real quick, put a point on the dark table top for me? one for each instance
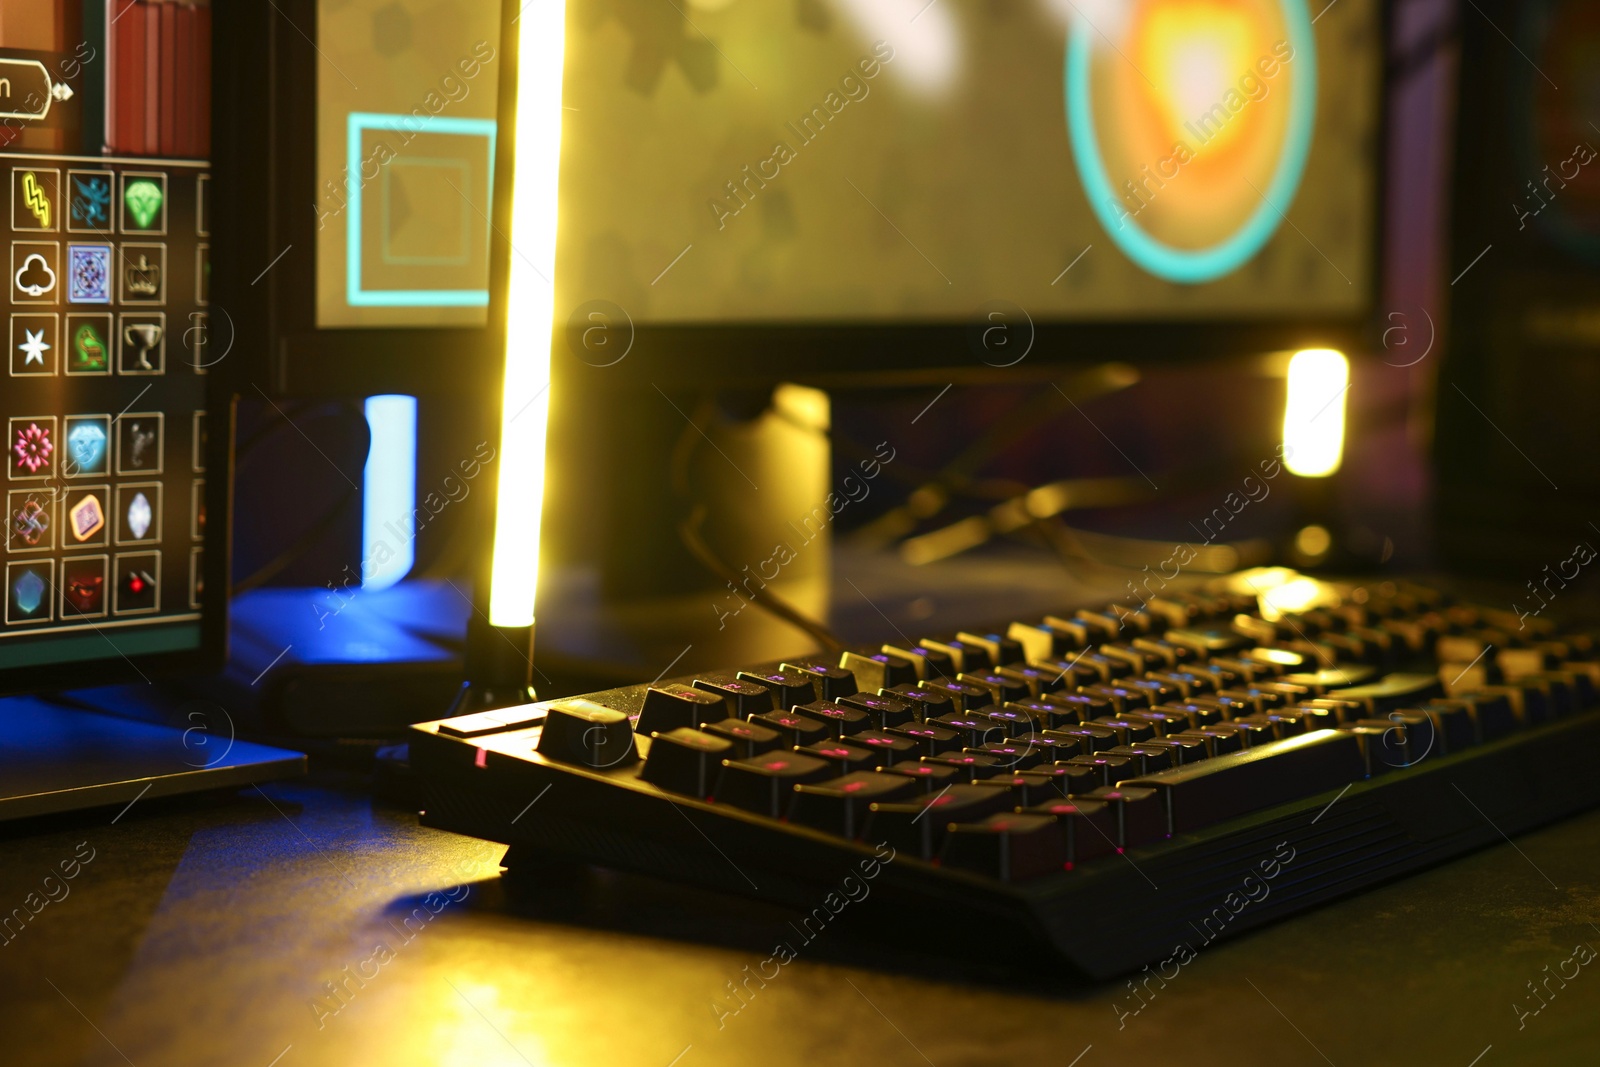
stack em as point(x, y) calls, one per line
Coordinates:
point(270, 927)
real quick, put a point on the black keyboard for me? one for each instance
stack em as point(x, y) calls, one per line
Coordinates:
point(1112, 785)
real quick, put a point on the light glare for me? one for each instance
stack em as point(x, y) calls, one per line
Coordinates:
point(530, 306)
point(1313, 416)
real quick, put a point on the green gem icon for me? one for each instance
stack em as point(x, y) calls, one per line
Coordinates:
point(143, 199)
point(90, 348)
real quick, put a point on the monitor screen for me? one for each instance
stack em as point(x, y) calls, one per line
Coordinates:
point(880, 161)
point(405, 140)
point(104, 139)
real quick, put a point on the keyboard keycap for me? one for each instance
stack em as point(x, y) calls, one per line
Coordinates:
point(878, 671)
point(686, 761)
point(844, 755)
point(1045, 715)
point(1492, 714)
point(492, 722)
point(841, 721)
point(965, 697)
point(973, 730)
point(748, 739)
point(998, 647)
point(1140, 816)
point(1001, 687)
point(971, 765)
point(885, 709)
point(839, 805)
point(1009, 847)
point(764, 784)
point(1143, 758)
point(1092, 736)
point(918, 826)
point(927, 703)
point(1393, 692)
point(744, 698)
point(1088, 828)
point(1129, 731)
point(1108, 769)
point(789, 687)
point(582, 731)
point(890, 748)
point(931, 738)
point(832, 682)
point(1181, 750)
point(669, 707)
point(792, 729)
point(1025, 787)
point(929, 777)
point(1013, 755)
point(1213, 790)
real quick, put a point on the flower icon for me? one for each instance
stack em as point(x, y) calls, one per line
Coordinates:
point(33, 448)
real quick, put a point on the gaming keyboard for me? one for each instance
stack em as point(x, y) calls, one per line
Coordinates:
point(1113, 784)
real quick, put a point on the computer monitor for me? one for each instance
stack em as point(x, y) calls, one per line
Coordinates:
point(118, 426)
point(1517, 399)
point(359, 160)
point(896, 192)
point(114, 458)
point(863, 188)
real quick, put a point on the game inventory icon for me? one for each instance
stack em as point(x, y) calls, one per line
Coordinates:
point(140, 443)
point(144, 344)
point(83, 586)
point(138, 583)
point(33, 271)
point(143, 272)
point(33, 345)
point(89, 336)
point(32, 447)
point(88, 445)
point(138, 513)
point(33, 199)
point(27, 591)
point(87, 518)
point(90, 193)
point(30, 522)
point(89, 274)
point(143, 199)
point(139, 516)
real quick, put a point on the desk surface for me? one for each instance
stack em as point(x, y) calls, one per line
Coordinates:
point(207, 931)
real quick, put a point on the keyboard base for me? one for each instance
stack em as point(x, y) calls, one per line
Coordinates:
point(1155, 905)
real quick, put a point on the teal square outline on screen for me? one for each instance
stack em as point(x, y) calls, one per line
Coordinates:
point(355, 296)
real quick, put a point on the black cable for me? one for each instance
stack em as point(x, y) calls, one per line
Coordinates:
point(689, 536)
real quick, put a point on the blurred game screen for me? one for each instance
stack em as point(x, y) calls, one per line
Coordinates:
point(405, 134)
point(891, 160)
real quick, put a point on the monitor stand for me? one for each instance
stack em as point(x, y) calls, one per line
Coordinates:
point(56, 757)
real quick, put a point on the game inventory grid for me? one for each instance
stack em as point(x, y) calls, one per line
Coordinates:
point(103, 405)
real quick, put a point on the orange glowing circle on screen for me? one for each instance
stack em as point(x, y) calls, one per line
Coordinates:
point(1190, 121)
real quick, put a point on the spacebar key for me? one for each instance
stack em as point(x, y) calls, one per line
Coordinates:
point(1212, 790)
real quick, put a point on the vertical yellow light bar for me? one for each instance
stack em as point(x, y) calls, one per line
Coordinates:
point(530, 306)
point(1313, 414)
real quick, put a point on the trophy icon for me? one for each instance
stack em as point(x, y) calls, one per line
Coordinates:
point(143, 337)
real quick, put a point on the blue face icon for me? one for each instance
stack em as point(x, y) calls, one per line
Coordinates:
point(86, 442)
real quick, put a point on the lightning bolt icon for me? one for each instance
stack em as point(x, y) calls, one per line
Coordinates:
point(35, 198)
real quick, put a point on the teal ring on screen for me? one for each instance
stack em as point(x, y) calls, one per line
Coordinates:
point(1195, 266)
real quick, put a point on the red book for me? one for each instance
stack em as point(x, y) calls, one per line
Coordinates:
point(167, 95)
point(183, 64)
point(128, 85)
point(202, 74)
point(151, 101)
